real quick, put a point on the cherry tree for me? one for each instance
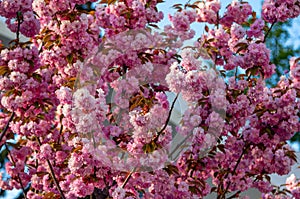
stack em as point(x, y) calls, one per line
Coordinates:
point(87, 114)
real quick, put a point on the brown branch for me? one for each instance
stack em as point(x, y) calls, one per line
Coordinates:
point(236, 72)
point(61, 129)
point(53, 175)
point(234, 195)
point(128, 178)
point(179, 144)
point(19, 14)
point(6, 126)
point(234, 170)
point(168, 119)
point(269, 30)
point(18, 175)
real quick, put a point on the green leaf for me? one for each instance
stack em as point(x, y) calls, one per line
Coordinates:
point(171, 169)
point(153, 25)
point(150, 147)
point(3, 155)
point(111, 1)
point(254, 15)
point(70, 58)
point(221, 147)
point(4, 70)
point(177, 5)
point(14, 145)
point(41, 173)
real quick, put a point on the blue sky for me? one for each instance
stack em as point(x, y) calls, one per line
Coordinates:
point(166, 7)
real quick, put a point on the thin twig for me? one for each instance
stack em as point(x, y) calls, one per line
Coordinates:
point(7, 125)
point(14, 164)
point(128, 178)
point(218, 20)
point(61, 129)
point(188, 2)
point(269, 30)
point(179, 144)
point(234, 195)
point(18, 27)
point(236, 72)
point(168, 119)
point(53, 175)
point(234, 170)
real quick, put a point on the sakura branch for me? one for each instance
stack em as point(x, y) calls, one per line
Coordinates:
point(128, 178)
point(223, 195)
point(53, 175)
point(268, 32)
point(7, 126)
point(168, 118)
point(117, 122)
point(19, 21)
point(19, 180)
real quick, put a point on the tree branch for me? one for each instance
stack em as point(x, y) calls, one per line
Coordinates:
point(180, 144)
point(234, 195)
point(6, 126)
point(269, 30)
point(128, 178)
point(19, 14)
point(234, 170)
point(14, 164)
point(168, 119)
point(53, 174)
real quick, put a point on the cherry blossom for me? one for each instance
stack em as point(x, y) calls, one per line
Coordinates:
point(86, 105)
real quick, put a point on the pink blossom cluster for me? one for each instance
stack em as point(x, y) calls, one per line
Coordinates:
point(91, 114)
point(19, 15)
point(273, 11)
point(295, 69)
point(292, 185)
point(237, 12)
point(15, 168)
point(9, 8)
point(125, 15)
point(47, 9)
point(240, 47)
point(26, 85)
point(259, 55)
point(256, 29)
point(208, 11)
point(181, 21)
point(29, 27)
point(294, 72)
point(66, 52)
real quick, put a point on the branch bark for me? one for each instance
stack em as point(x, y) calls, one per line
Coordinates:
point(128, 178)
point(14, 164)
point(222, 196)
point(53, 175)
point(168, 119)
point(6, 126)
point(269, 30)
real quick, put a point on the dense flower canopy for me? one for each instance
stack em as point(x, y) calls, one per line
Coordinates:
point(89, 114)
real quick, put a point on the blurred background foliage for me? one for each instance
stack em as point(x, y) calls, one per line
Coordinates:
point(282, 47)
